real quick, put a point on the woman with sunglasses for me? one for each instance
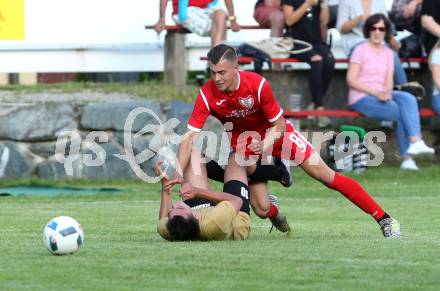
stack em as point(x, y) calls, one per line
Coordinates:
point(370, 81)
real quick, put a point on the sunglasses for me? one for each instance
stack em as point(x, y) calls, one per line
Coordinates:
point(380, 28)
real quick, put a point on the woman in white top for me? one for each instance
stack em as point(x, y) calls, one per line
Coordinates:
point(351, 18)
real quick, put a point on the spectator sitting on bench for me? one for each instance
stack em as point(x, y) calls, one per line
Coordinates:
point(203, 17)
point(370, 81)
point(434, 64)
point(351, 18)
point(307, 20)
point(268, 14)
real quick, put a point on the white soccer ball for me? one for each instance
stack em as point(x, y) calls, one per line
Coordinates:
point(63, 235)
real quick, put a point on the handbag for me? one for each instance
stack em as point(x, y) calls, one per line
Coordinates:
point(412, 47)
point(258, 55)
point(275, 47)
point(281, 47)
point(414, 88)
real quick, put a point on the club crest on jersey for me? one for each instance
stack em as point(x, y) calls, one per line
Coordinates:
point(246, 102)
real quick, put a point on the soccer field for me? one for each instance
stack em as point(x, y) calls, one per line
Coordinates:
point(334, 246)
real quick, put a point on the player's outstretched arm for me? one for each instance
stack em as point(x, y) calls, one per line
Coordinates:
point(273, 134)
point(188, 191)
point(277, 131)
point(165, 202)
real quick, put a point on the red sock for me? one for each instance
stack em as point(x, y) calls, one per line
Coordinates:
point(356, 194)
point(273, 211)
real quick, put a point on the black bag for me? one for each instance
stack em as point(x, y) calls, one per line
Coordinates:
point(412, 47)
point(414, 88)
point(274, 47)
point(259, 56)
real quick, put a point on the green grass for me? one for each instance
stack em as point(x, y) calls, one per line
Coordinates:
point(150, 89)
point(334, 246)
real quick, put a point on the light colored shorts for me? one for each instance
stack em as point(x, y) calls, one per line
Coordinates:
point(199, 20)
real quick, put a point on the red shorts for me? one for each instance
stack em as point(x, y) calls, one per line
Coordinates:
point(293, 146)
point(262, 14)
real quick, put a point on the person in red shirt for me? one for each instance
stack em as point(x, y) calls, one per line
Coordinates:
point(203, 17)
point(244, 103)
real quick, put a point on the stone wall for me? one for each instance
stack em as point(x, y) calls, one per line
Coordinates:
point(66, 140)
point(93, 141)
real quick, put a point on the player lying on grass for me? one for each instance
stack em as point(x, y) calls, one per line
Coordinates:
point(263, 204)
point(278, 171)
point(228, 219)
point(245, 101)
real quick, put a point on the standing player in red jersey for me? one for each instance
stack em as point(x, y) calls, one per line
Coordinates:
point(244, 103)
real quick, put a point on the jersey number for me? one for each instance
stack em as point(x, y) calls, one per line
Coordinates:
point(244, 193)
point(299, 141)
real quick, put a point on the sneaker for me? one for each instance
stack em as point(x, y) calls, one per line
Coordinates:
point(324, 121)
point(311, 106)
point(280, 221)
point(390, 227)
point(386, 124)
point(284, 167)
point(420, 148)
point(409, 164)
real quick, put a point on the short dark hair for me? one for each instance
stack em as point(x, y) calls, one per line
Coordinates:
point(374, 19)
point(222, 51)
point(182, 229)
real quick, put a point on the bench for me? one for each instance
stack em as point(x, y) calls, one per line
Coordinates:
point(424, 112)
point(249, 60)
point(175, 54)
point(181, 29)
